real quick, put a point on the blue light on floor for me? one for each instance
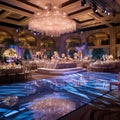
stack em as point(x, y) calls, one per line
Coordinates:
point(52, 98)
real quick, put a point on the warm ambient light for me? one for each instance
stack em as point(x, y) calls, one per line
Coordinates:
point(52, 22)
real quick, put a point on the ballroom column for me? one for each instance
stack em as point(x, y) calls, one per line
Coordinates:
point(113, 42)
point(38, 38)
point(62, 44)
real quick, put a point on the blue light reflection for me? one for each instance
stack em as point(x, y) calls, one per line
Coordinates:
point(58, 94)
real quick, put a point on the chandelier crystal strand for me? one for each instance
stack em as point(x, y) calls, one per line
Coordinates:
point(52, 22)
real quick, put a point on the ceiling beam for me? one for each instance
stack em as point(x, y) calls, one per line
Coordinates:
point(20, 4)
point(118, 1)
point(74, 7)
point(100, 19)
point(14, 10)
point(10, 21)
point(24, 22)
point(81, 13)
point(5, 14)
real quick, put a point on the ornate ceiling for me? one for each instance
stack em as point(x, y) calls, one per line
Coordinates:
point(17, 13)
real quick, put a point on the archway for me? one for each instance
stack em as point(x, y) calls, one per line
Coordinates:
point(118, 46)
point(4, 35)
point(118, 38)
point(98, 39)
point(71, 43)
point(5, 40)
point(26, 41)
point(49, 45)
point(98, 44)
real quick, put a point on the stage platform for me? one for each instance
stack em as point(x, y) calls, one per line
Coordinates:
point(60, 71)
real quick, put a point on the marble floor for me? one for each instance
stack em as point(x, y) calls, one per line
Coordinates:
point(80, 96)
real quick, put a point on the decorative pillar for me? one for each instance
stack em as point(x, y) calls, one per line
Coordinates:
point(38, 40)
point(83, 38)
point(113, 42)
point(62, 44)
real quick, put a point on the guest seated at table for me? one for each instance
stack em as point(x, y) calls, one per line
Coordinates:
point(107, 57)
point(52, 59)
point(69, 58)
point(63, 57)
point(56, 55)
point(75, 56)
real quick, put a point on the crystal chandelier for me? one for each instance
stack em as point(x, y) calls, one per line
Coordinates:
point(51, 22)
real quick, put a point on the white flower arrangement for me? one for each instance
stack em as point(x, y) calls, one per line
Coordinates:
point(10, 53)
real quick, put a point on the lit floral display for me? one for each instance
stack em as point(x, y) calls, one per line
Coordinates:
point(10, 53)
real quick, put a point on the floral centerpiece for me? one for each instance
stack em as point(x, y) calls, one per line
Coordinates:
point(11, 53)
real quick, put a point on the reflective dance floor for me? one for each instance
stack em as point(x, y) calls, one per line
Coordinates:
point(52, 98)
